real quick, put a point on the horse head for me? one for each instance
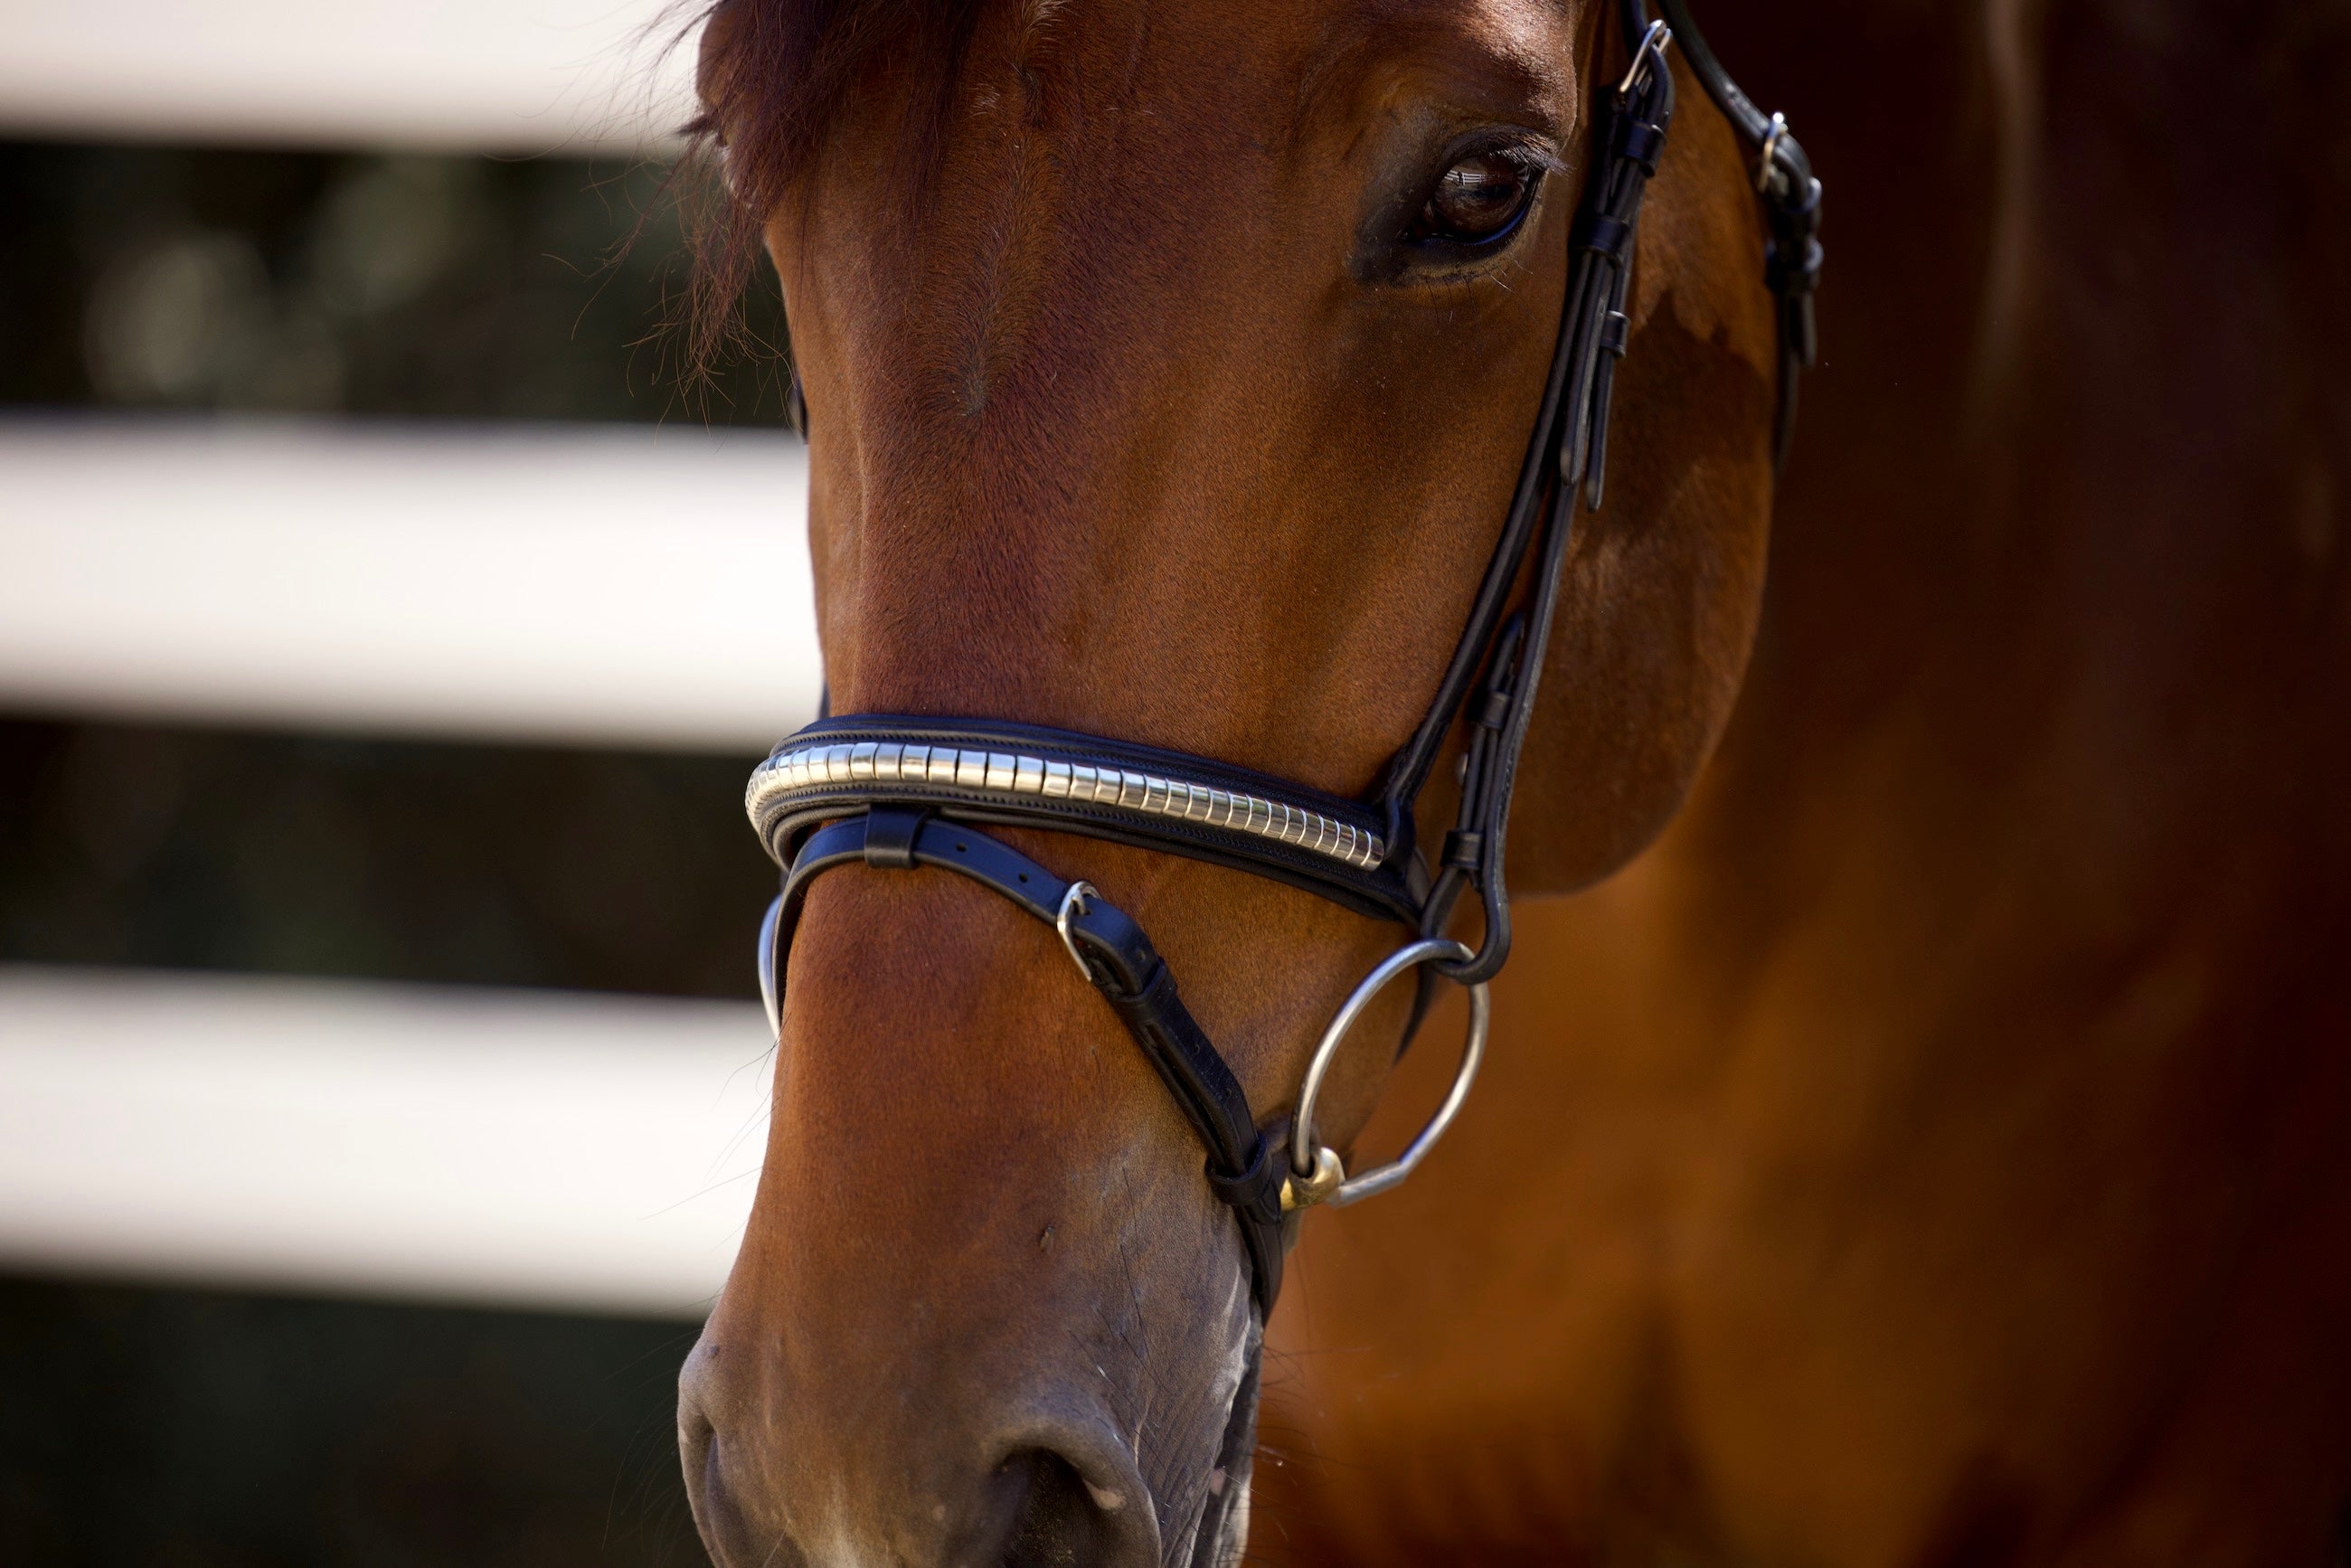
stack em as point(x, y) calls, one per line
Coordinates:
point(1169, 370)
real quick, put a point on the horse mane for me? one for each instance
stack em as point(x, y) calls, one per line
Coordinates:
point(771, 75)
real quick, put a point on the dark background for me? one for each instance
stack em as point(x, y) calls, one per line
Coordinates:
point(465, 287)
point(191, 1429)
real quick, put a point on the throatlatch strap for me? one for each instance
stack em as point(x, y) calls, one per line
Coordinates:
point(1122, 965)
point(1791, 210)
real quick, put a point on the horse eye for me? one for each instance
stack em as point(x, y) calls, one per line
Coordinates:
point(1479, 199)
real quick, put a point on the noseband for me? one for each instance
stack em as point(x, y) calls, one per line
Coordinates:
point(898, 793)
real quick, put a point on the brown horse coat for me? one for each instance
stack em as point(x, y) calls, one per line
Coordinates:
point(1938, 1149)
point(1932, 1151)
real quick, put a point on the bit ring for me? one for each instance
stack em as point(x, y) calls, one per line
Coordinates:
point(1311, 1173)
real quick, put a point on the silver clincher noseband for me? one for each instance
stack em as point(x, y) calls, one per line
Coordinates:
point(900, 793)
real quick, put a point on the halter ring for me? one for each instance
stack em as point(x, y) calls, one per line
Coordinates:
point(1316, 1173)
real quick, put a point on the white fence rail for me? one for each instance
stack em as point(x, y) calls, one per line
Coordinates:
point(599, 584)
point(607, 584)
point(501, 1148)
point(503, 75)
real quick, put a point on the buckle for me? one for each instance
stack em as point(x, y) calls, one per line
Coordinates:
point(1651, 52)
point(1073, 902)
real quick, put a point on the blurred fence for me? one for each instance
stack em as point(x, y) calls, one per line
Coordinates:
point(506, 75)
point(616, 584)
point(192, 538)
point(391, 1141)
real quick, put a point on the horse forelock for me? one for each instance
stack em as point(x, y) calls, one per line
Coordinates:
point(774, 76)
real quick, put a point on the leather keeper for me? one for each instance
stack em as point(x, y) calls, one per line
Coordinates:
point(890, 838)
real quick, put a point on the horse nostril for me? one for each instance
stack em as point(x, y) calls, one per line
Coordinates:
point(1062, 1521)
point(726, 1536)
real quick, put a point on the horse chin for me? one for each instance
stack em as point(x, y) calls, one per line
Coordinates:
point(1222, 1535)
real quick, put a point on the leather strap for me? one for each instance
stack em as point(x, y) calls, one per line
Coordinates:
point(1568, 446)
point(1568, 461)
point(1242, 1169)
point(784, 804)
point(1791, 210)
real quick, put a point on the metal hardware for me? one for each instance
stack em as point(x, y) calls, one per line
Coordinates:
point(768, 977)
point(1074, 898)
point(1764, 169)
point(1305, 1192)
point(1306, 1155)
point(1653, 48)
point(794, 775)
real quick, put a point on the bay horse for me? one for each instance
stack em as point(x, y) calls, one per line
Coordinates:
point(1936, 1149)
point(1927, 1153)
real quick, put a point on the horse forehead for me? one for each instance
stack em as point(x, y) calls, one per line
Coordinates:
point(1122, 85)
point(1094, 157)
point(1190, 69)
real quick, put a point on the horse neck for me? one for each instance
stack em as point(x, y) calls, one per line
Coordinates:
point(2059, 557)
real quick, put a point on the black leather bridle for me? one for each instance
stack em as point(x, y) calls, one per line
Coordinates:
point(897, 793)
